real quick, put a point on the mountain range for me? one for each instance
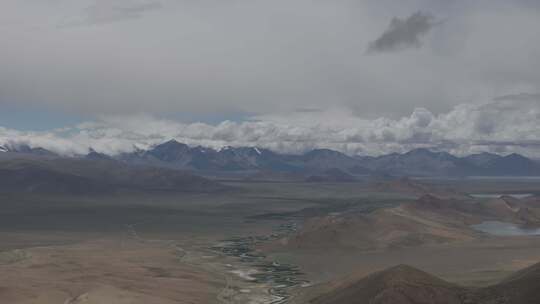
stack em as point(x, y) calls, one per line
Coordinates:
point(94, 176)
point(317, 163)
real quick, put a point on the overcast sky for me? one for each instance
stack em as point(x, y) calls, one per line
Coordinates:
point(367, 77)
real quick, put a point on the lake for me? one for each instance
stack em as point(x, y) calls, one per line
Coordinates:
point(505, 229)
point(497, 195)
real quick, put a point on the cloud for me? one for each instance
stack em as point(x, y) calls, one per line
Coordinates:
point(403, 33)
point(245, 56)
point(108, 11)
point(519, 97)
point(499, 126)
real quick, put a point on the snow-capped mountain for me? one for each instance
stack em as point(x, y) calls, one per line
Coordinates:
point(417, 162)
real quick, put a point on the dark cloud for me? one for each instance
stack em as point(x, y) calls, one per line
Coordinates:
point(403, 33)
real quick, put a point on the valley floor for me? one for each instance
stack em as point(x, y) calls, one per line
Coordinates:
point(149, 248)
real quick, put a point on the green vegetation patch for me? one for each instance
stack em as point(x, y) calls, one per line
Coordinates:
point(13, 256)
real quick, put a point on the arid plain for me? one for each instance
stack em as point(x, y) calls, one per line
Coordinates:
point(259, 242)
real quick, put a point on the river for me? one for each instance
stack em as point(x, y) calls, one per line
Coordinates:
point(281, 277)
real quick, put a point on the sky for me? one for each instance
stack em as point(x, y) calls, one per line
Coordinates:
point(360, 76)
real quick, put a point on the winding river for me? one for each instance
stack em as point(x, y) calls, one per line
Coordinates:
point(280, 277)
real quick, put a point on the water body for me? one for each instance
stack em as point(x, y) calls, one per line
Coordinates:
point(497, 195)
point(503, 178)
point(505, 229)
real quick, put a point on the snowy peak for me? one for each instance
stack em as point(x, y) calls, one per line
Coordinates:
point(26, 149)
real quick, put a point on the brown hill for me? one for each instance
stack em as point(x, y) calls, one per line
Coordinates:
point(509, 209)
point(505, 208)
point(433, 203)
point(415, 187)
point(383, 228)
point(426, 220)
point(407, 285)
point(522, 287)
point(456, 212)
point(397, 285)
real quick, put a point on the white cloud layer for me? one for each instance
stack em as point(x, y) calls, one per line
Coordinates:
point(500, 126)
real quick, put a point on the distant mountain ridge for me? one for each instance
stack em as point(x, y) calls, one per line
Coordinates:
point(418, 162)
point(95, 176)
